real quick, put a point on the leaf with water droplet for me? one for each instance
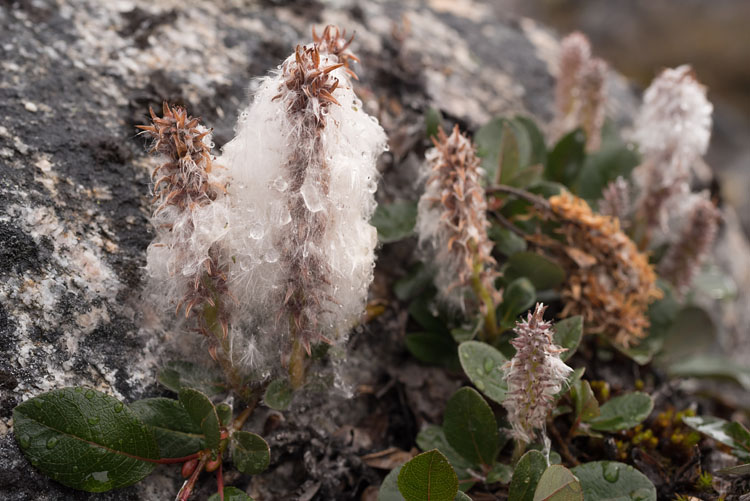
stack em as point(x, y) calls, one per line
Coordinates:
point(203, 413)
point(428, 477)
point(174, 430)
point(610, 480)
point(250, 453)
point(729, 433)
point(470, 427)
point(558, 484)
point(78, 456)
point(622, 412)
point(518, 296)
point(279, 394)
point(526, 475)
point(482, 364)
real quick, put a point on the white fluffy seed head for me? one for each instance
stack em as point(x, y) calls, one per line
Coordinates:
point(302, 195)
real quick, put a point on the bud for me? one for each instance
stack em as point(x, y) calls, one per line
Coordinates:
point(535, 375)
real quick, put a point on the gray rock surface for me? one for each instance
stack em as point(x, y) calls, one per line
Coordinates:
point(76, 76)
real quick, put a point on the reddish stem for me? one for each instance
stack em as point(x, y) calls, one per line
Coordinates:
point(220, 482)
point(171, 460)
point(188, 486)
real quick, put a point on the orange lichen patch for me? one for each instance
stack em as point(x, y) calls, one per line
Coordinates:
point(610, 283)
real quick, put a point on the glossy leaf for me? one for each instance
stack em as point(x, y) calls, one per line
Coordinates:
point(250, 453)
point(395, 221)
point(729, 433)
point(175, 432)
point(542, 272)
point(203, 413)
point(179, 374)
point(586, 405)
point(558, 484)
point(231, 494)
point(84, 439)
point(613, 481)
point(565, 161)
point(483, 365)
point(623, 412)
point(711, 366)
point(518, 296)
point(433, 348)
point(470, 426)
point(428, 477)
point(568, 334)
point(433, 437)
point(526, 475)
point(279, 394)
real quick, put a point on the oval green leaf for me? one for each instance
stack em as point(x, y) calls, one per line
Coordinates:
point(231, 494)
point(250, 453)
point(433, 348)
point(433, 437)
point(542, 272)
point(568, 335)
point(623, 412)
point(558, 484)
point(483, 365)
point(180, 374)
point(565, 161)
point(174, 430)
point(732, 434)
point(395, 221)
point(389, 488)
point(518, 297)
point(428, 477)
point(84, 439)
point(500, 473)
point(279, 394)
point(613, 481)
point(526, 475)
point(203, 413)
point(470, 427)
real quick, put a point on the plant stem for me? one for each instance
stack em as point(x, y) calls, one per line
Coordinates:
point(518, 451)
point(529, 197)
point(220, 482)
point(489, 333)
point(187, 487)
point(171, 460)
point(297, 364)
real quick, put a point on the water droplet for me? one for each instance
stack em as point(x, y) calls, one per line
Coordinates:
point(479, 371)
point(24, 441)
point(488, 365)
point(640, 494)
point(52, 442)
point(465, 354)
point(118, 407)
point(89, 394)
point(256, 231)
point(78, 389)
point(311, 196)
point(280, 184)
point(480, 385)
point(101, 476)
point(93, 419)
point(610, 472)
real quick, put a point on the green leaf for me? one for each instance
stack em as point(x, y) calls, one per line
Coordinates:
point(518, 297)
point(418, 279)
point(178, 374)
point(224, 411)
point(565, 161)
point(573, 380)
point(171, 425)
point(470, 426)
point(711, 366)
point(732, 434)
point(613, 481)
point(433, 348)
point(389, 488)
point(433, 437)
point(542, 272)
point(483, 365)
point(536, 139)
point(508, 143)
point(558, 484)
point(432, 122)
point(428, 477)
point(526, 476)
point(586, 405)
point(602, 167)
point(395, 221)
point(500, 473)
point(84, 439)
point(203, 413)
point(460, 496)
point(279, 394)
point(506, 242)
point(231, 494)
point(250, 453)
point(568, 335)
point(692, 333)
point(623, 412)
point(715, 283)
point(421, 311)
point(742, 469)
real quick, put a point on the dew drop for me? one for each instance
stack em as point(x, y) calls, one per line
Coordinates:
point(52, 442)
point(93, 419)
point(480, 385)
point(78, 389)
point(479, 372)
point(89, 394)
point(489, 364)
point(610, 472)
point(256, 231)
point(24, 441)
point(118, 407)
point(640, 495)
point(311, 197)
point(465, 355)
point(280, 184)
